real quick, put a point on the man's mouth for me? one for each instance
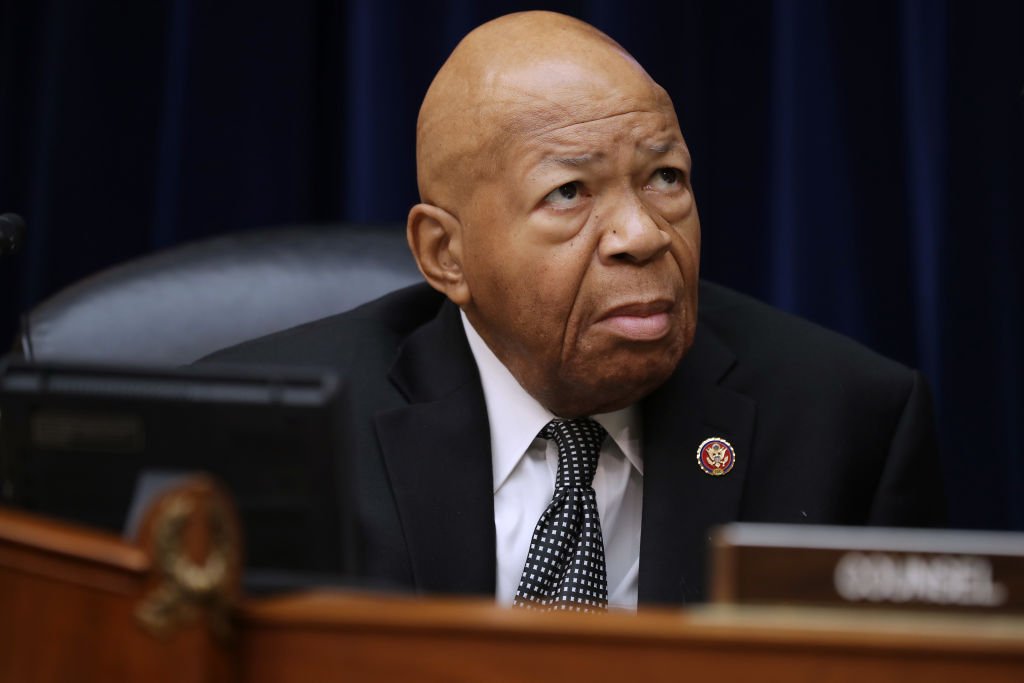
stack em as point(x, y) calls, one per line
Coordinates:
point(647, 321)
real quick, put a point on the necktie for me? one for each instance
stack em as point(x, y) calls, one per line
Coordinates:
point(565, 567)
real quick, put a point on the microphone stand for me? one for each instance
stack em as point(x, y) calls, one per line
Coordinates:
point(12, 234)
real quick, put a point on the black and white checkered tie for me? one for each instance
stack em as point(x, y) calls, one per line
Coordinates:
point(565, 567)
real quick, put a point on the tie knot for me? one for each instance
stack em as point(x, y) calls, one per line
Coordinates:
point(579, 444)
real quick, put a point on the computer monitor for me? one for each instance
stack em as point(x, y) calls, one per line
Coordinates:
point(76, 441)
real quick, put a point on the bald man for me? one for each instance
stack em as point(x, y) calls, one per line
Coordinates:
point(559, 239)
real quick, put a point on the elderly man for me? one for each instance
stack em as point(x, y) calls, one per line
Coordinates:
point(561, 428)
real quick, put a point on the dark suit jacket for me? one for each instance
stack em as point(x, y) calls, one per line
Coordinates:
point(824, 432)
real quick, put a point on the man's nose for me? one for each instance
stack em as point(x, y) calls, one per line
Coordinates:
point(631, 234)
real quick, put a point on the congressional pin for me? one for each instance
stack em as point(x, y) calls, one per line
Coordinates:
point(716, 456)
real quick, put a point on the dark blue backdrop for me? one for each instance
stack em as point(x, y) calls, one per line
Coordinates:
point(860, 163)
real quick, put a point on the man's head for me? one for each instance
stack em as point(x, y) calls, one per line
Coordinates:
point(556, 210)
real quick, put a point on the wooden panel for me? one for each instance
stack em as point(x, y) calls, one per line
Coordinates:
point(71, 599)
point(332, 636)
point(53, 630)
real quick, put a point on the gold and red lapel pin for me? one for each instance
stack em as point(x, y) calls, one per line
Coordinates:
point(716, 456)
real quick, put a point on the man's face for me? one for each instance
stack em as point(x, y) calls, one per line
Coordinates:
point(581, 251)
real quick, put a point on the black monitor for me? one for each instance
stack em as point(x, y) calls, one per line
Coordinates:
point(80, 442)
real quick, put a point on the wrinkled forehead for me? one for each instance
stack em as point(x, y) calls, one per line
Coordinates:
point(542, 96)
point(557, 104)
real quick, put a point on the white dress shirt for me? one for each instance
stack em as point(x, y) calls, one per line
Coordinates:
point(525, 467)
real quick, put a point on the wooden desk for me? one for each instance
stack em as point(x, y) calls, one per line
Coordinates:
point(78, 605)
point(377, 638)
point(70, 599)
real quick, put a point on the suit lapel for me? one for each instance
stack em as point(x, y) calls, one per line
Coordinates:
point(437, 452)
point(681, 502)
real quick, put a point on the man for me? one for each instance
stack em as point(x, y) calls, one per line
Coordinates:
point(558, 222)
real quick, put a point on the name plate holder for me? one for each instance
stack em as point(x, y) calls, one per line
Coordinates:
point(863, 567)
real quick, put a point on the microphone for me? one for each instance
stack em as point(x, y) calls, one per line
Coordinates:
point(12, 233)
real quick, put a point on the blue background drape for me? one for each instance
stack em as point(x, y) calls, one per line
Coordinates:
point(859, 163)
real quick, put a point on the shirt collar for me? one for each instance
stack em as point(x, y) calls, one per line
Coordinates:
point(515, 417)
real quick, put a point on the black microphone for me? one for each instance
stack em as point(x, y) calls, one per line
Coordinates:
point(12, 233)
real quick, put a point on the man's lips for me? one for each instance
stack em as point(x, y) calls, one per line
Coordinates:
point(639, 321)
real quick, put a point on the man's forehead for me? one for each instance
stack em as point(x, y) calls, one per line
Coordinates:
point(518, 78)
point(545, 94)
point(580, 152)
point(583, 130)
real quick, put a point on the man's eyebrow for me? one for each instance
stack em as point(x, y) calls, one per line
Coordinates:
point(663, 148)
point(585, 159)
point(573, 162)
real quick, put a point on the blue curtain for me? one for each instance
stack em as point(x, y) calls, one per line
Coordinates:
point(859, 163)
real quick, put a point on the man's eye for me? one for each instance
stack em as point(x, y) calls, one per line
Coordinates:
point(666, 177)
point(564, 196)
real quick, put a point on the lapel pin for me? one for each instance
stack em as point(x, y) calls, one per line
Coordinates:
point(716, 456)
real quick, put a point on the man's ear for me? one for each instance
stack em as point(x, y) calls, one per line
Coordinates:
point(435, 238)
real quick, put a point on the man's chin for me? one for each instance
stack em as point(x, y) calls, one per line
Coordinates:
point(606, 391)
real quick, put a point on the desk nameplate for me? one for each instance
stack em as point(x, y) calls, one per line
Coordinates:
point(868, 567)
